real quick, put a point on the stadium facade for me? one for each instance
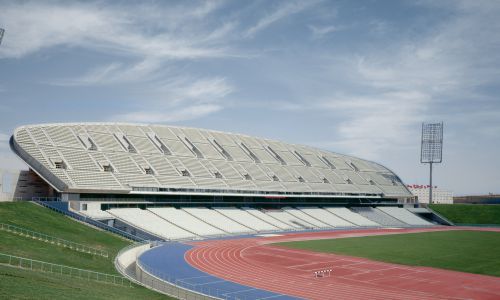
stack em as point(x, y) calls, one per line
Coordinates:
point(112, 163)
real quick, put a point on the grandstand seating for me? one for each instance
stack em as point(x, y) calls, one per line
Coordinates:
point(378, 216)
point(201, 222)
point(128, 157)
point(306, 217)
point(150, 223)
point(404, 215)
point(186, 221)
point(247, 219)
point(268, 219)
point(97, 214)
point(326, 217)
point(351, 216)
point(218, 220)
point(289, 219)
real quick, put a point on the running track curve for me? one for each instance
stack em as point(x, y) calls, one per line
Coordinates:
point(254, 262)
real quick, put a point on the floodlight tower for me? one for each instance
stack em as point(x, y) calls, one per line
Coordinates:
point(432, 148)
point(1, 34)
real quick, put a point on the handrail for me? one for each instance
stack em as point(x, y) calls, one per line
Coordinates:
point(92, 222)
point(52, 239)
point(38, 265)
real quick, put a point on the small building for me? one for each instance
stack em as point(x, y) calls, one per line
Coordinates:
point(439, 196)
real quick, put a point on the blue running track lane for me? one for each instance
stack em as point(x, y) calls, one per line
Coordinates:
point(167, 262)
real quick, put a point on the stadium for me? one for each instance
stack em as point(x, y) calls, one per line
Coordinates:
point(215, 215)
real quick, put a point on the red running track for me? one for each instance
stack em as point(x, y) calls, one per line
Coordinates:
point(252, 262)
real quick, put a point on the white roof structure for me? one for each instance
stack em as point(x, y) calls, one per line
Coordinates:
point(158, 159)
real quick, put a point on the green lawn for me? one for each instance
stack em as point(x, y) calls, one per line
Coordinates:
point(41, 219)
point(469, 213)
point(23, 284)
point(466, 251)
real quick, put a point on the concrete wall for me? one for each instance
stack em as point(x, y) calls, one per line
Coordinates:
point(22, 185)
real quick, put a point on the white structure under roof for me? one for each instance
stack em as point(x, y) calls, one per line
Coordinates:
point(378, 216)
point(97, 214)
point(156, 159)
point(289, 219)
point(351, 216)
point(268, 219)
point(247, 219)
point(326, 217)
point(308, 218)
point(186, 221)
point(151, 223)
point(404, 216)
point(218, 220)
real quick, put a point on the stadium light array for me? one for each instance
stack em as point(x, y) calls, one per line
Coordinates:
point(431, 148)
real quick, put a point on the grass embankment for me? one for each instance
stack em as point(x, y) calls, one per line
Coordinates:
point(469, 213)
point(24, 284)
point(466, 251)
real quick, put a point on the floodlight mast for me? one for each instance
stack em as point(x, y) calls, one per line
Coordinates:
point(431, 148)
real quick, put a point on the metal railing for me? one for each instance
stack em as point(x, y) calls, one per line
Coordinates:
point(181, 289)
point(37, 265)
point(46, 198)
point(91, 222)
point(52, 240)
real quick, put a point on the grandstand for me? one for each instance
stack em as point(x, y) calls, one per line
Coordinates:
point(177, 183)
point(179, 187)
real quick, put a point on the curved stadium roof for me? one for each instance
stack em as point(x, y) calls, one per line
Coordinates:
point(136, 158)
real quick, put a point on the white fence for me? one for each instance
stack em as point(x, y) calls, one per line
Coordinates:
point(52, 240)
point(37, 265)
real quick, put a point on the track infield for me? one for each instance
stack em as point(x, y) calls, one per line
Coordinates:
point(458, 250)
point(259, 263)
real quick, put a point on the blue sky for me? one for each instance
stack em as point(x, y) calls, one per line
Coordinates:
point(355, 77)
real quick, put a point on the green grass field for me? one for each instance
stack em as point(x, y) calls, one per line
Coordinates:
point(24, 284)
point(466, 251)
point(469, 213)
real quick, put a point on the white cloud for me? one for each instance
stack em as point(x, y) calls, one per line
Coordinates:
point(169, 115)
point(285, 10)
point(115, 73)
point(182, 99)
point(4, 138)
point(436, 77)
point(32, 26)
point(319, 32)
point(378, 122)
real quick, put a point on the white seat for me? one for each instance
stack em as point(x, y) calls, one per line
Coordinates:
point(351, 216)
point(308, 218)
point(186, 221)
point(247, 219)
point(218, 220)
point(378, 216)
point(151, 223)
point(404, 216)
point(289, 219)
point(268, 219)
point(326, 217)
